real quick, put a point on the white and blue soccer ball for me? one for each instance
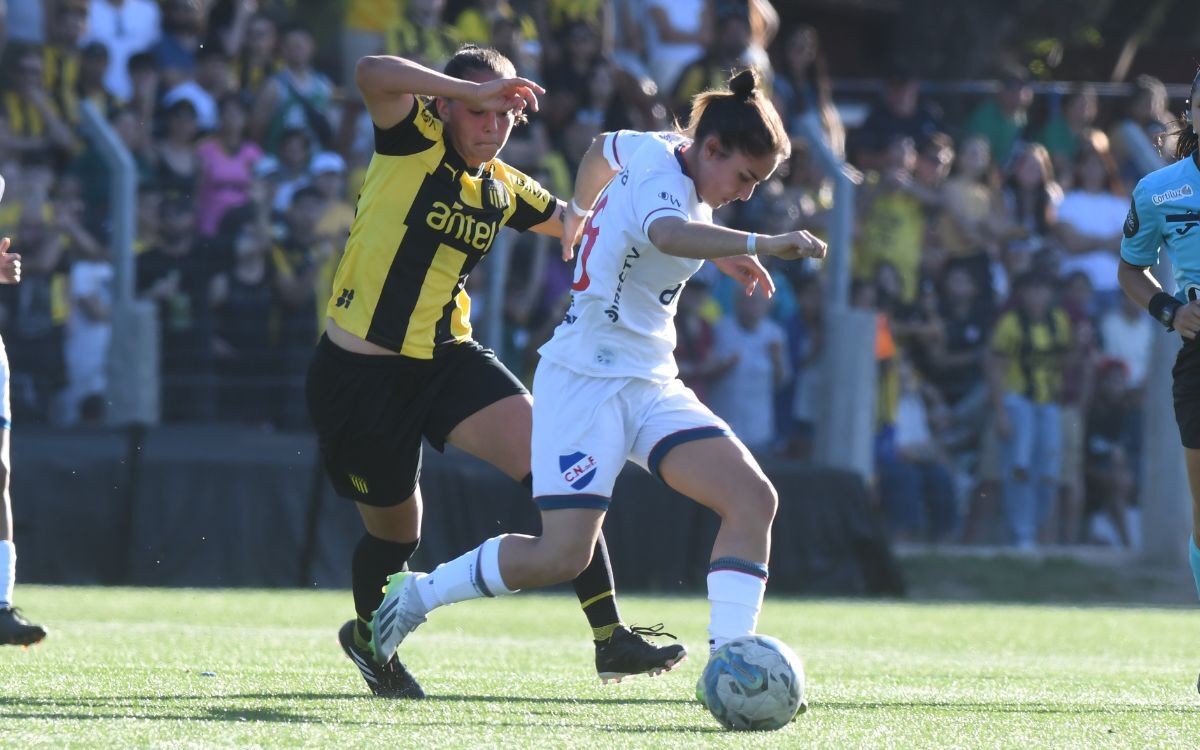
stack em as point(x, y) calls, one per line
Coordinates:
point(754, 682)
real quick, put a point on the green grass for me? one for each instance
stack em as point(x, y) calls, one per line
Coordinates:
point(124, 667)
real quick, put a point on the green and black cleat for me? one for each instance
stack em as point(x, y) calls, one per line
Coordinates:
point(390, 680)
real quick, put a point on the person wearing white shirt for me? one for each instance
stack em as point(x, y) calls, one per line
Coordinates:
point(125, 27)
point(744, 397)
point(1127, 335)
point(607, 387)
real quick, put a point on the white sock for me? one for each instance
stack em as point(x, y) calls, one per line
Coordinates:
point(471, 576)
point(8, 572)
point(736, 597)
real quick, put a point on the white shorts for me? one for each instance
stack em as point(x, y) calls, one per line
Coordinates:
point(586, 428)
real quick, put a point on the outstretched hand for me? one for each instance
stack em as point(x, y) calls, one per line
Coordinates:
point(747, 271)
point(504, 94)
point(10, 264)
point(793, 245)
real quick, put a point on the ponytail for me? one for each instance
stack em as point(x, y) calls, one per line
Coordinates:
point(741, 118)
point(1186, 139)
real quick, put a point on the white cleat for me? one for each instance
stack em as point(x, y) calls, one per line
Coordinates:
point(399, 614)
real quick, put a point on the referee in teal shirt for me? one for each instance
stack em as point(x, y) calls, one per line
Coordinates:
point(1165, 215)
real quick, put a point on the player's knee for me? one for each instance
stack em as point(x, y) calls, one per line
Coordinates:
point(571, 560)
point(761, 503)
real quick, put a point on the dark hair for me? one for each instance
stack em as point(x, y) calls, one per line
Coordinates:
point(141, 61)
point(471, 57)
point(741, 118)
point(306, 192)
point(1187, 140)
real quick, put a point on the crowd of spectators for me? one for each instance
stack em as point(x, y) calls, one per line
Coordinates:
point(1011, 368)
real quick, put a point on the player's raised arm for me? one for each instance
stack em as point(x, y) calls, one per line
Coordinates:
point(596, 169)
point(388, 84)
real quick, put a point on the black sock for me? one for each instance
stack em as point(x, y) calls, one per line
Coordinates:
point(597, 593)
point(374, 560)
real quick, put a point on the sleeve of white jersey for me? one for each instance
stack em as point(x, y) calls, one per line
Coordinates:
point(659, 194)
point(620, 145)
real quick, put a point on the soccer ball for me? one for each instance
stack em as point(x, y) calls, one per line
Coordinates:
point(754, 682)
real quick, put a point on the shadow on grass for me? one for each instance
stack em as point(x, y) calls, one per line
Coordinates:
point(118, 700)
point(1000, 708)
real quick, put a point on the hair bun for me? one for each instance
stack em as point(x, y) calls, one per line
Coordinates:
point(744, 84)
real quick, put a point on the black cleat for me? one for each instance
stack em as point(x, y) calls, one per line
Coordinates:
point(389, 680)
point(15, 630)
point(627, 652)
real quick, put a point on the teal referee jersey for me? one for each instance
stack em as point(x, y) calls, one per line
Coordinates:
point(1165, 213)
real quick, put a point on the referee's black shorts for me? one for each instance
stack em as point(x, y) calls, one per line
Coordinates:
point(370, 412)
point(1186, 391)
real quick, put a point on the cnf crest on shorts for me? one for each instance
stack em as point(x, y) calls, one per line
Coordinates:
point(578, 469)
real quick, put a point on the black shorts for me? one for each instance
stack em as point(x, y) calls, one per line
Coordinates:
point(1186, 390)
point(370, 412)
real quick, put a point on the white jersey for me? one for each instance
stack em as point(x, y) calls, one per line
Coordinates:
point(621, 322)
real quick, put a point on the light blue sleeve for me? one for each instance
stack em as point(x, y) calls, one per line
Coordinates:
point(1143, 229)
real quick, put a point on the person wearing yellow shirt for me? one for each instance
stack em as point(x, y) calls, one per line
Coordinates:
point(1028, 350)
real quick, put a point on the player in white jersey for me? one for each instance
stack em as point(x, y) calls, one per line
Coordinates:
point(15, 630)
point(606, 389)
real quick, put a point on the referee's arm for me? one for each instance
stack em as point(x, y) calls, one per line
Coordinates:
point(1141, 287)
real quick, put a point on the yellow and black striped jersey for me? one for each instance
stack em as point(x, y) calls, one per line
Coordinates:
point(424, 219)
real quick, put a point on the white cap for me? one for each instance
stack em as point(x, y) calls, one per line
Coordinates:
point(327, 161)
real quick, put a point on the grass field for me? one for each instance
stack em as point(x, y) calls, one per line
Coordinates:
point(180, 668)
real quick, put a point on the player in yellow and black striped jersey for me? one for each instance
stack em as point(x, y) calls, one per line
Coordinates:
point(397, 361)
point(401, 282)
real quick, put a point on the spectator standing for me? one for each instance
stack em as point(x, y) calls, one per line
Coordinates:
point(61, 55)
point(891, 225)
point(177, 165)
point(1063, 132)
point(900, 113)
point(1111, 459)
point(227, 162)
point(678, 33)
point(1031, 199)
point(802, 86)
point(243, 301)
point(213, 80)
point(176, 276)
point(89, 84)
point(422, 34)
point(255, 57)
point(125, 28)
point(723, 56)
point(1146, 116)
point(1002, 119)
point(88, 333)
point(39, 311)
point(744, 396)
point(1024, 380)
point(296, 97)
point(1127, 336)
point(916, 485)
point(302, 259)
point(183, 27)
point(1091, 218)
point(30, 124)
point(698, 364)
point(971, 227)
